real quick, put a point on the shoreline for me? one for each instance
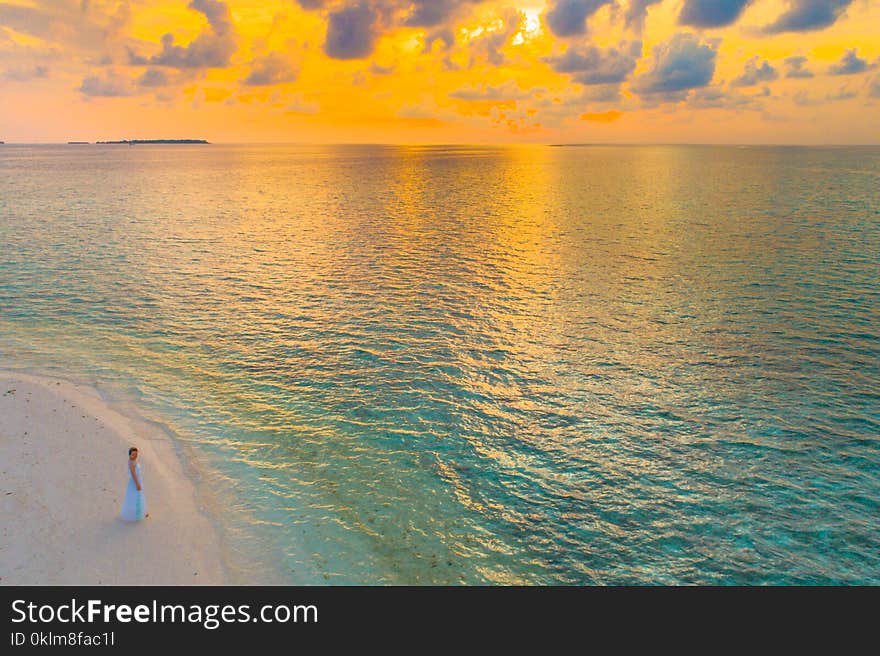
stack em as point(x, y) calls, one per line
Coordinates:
point(63, 450)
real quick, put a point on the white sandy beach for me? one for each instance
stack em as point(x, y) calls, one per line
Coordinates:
point(63, 454)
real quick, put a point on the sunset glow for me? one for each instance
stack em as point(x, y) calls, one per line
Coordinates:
point(441, 71)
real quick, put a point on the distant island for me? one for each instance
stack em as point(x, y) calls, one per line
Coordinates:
point(139, 142)
point(77, 143)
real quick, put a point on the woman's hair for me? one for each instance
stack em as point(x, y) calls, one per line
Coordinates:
point(134, 448)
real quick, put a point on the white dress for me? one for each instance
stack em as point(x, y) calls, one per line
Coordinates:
point(134, 506)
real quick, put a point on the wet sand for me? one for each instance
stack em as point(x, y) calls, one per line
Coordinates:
point(63, 453)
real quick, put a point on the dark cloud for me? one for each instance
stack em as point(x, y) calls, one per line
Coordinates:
point(351, 32)
point(796, 68)
point(755, 74)
point(217, 13)
point(153, 78)
point(849, 64)
point(711, 13)
point(412, 13)
point(592, 65)
point(444, 35)
point(431, 13)
point(807, 15)
point(569, 17)
point(135, 59)
point(271, 69)
point(210, 49)
point(874, 87)
point(680, 64)
point(353, 26)
point(636, 12)
point(25, 73)
point(109, 85)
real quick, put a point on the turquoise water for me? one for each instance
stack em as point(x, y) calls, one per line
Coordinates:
point(466, 365)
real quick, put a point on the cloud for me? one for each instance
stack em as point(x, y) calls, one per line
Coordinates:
point(153, 78)
point(601, 93)
point(25, 73)
point(299, 105)
point(417, 111)
point(807, 15)
point(569, 17)
point(506, 92)
point(849, 64)
point(445, 35)
point(710, 98)
point(351, 32)
point(592, 65)
point(796, 68)
point(354, 26)
point(754, 74)
point(636, 12)
point(680, 64)
point(426, 109)
point(602, 117)
point(271, 69)
point(215, 95)
point(430, 13)
point(376, 69)
point(804, 99)
point(490, 42)
point(110, 85)
point(75, 25)
point(711, 13)
point(31, 20)
point(874, 87)
point(564, 107)
point(717, 98)
point(212, 48)
point(841, 94)
point(217, 13)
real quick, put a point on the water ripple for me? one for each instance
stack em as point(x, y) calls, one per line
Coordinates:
point(471, 365)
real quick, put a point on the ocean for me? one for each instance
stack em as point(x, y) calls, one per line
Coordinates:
point(476, 364)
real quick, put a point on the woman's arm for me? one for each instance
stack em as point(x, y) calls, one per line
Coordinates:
point(134, 476)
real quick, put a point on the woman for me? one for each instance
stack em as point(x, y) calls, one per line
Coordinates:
point(134, 506)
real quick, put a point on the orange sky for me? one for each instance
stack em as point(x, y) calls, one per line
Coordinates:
point(439, 71)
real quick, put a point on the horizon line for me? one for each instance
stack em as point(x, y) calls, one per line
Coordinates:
point(84, 142)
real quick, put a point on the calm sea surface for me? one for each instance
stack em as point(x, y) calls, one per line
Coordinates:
point(465, 365)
